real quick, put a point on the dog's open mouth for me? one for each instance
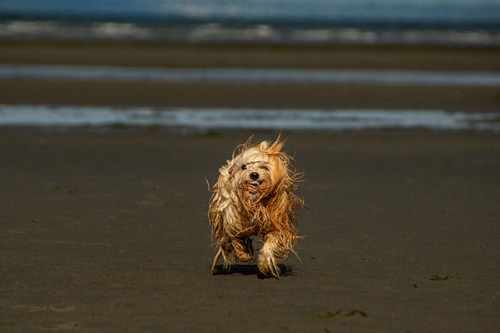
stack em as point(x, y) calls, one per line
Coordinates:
point(253, 187)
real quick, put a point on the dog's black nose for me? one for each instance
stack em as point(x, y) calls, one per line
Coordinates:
point(254, 175)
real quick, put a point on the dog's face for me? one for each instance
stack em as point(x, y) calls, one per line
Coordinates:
point(254, 171)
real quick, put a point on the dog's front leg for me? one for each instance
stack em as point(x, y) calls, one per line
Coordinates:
point(267, 259)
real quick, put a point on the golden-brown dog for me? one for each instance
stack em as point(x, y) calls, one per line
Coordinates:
point(254, 196)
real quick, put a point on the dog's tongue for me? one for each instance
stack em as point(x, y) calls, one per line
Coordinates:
point(251, 189)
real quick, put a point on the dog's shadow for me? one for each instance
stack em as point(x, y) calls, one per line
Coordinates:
point(285, 270)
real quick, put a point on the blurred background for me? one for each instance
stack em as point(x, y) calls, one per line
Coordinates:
point(474, 22)
point(361, 56)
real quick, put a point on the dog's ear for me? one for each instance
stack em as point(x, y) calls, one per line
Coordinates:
point(224, 170)
point(263, 146)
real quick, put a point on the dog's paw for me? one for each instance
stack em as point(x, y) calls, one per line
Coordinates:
point(243, 256)
point(243, 249)
point(267, 264)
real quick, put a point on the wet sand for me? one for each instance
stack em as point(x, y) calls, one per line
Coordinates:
point(108, 232)
point(271, 95)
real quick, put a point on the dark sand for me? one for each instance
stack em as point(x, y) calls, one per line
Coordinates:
point(108, 232)
point(273, 95)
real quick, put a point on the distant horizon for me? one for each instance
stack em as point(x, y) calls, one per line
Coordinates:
point(435, 14)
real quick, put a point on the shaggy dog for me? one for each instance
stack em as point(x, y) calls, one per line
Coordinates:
point(254, 196)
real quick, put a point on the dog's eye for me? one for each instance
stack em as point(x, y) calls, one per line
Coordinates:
point(243, 167)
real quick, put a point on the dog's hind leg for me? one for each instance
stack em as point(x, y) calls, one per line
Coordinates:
point(225, 249)
point(243, 249)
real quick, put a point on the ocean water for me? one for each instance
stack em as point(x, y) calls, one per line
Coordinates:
point(470, 22)
point(374, 22)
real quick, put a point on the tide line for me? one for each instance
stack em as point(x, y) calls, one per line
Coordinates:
point(203, 119)
point(289, 76)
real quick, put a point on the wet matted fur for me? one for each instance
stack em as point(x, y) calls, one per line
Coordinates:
point(254, 196)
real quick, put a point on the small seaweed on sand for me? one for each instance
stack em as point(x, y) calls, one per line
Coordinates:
point(340, 313)
point(441, 278)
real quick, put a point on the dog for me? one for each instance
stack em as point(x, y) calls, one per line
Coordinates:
point(254, 197)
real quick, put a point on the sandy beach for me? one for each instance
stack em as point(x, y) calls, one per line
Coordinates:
point(108, 231)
